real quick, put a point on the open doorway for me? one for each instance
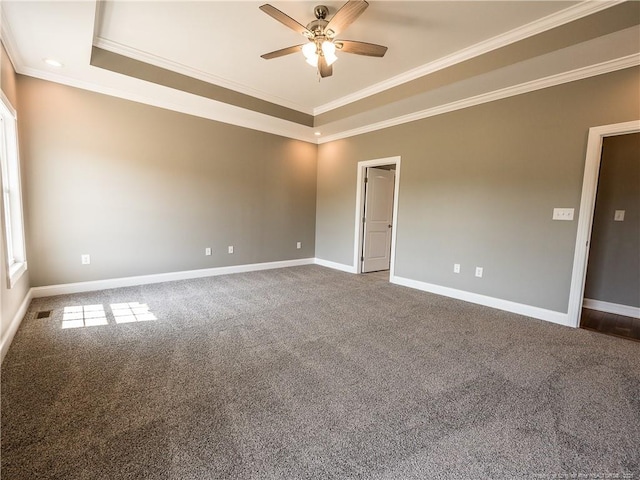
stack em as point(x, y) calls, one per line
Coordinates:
point(612, 287)
point(376, 215)
point(588, 221)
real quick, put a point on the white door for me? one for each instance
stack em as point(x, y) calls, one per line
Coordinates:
point(378, 218)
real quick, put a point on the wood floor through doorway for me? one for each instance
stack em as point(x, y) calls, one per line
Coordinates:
point(611, 324)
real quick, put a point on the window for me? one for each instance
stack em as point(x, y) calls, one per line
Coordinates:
point(12, 220)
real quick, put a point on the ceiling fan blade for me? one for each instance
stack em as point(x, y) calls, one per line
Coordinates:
point(285, 19)
point(324, 69)
point(282, 52)
point(346, 16)
point(360, 48)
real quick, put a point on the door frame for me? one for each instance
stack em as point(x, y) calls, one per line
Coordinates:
point(586, 212)
point(360, 191)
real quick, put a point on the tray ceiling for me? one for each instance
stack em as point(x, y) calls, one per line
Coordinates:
point(219, 45)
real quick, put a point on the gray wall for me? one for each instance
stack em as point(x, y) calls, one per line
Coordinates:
point(144, 190)
point(478, 186)
point(613, 274)
point(10, 299)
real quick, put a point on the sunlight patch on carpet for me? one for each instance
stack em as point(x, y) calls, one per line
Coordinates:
point(78, 316)
point(84, 316)
point(132, 312)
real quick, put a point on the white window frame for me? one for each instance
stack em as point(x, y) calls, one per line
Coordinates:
point(12, 217)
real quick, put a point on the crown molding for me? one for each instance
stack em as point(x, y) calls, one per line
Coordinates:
point(162, 62)
point(550, 81)
point(554, 20)
point(204, 108)
point(7, 38)
point(228, 114)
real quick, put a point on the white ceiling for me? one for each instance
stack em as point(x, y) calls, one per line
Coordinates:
point(224, 40)
point(221, 43)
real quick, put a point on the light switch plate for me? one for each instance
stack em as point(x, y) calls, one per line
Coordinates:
point(619, 216)
point(563, 213)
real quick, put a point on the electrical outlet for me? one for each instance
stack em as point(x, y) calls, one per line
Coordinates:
point(207, 251)
point(299, 245)
point(456, 268)
point(85, 259)
point(230, 248)
point(479, 271)
point(563, 214)
point(618, 216)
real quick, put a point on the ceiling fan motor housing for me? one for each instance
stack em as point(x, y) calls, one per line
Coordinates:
point(317, 27)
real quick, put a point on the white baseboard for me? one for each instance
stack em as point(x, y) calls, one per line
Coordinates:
point(608, 307)
point(91, 286)
point(506, 305)
point(336, 266)
point(48, 291)
point(37, 292)
point(7, 338)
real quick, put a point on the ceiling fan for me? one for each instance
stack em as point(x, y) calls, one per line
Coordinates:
point(320, 50)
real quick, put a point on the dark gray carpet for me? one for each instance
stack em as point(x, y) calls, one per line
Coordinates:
point(311, 373)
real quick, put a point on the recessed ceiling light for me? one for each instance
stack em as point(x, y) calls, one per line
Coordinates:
point(52, 62)
point(317, 134)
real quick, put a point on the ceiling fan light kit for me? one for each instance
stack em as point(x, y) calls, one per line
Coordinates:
point(320, 51)
point(313, 51)
point(329, 51)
